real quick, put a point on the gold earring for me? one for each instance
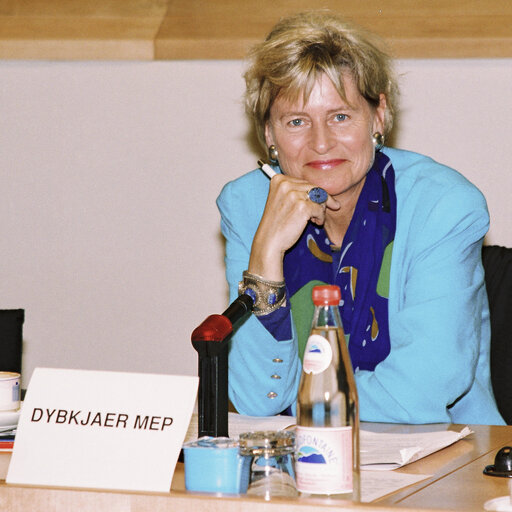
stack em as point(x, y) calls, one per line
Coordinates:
point(273, 154)
point(378, 140)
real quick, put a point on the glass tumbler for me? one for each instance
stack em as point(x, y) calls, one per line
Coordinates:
point(271, 469)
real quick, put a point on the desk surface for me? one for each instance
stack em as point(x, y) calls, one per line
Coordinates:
point(225, 29)
point(457, 483)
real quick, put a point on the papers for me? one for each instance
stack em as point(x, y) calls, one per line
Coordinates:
point(379, 451)
point(238, 424)
point(391, 451)
point(376, 484)
point(6, 445)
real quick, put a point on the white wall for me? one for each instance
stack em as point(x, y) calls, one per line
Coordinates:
point(460, 113)
point(109, 232)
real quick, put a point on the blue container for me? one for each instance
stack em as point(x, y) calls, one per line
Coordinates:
point(213, 464)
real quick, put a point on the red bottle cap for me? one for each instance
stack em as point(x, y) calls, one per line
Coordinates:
point(328, 295)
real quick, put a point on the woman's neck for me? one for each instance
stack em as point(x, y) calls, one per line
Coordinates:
point(336, 226)
point(337, 221)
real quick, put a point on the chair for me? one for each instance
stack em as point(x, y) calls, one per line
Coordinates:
point(11, 335)
point(497, 263)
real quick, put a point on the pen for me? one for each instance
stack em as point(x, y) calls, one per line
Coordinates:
point(266, 169)
point(316, 194)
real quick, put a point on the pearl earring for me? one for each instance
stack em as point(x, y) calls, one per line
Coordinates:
point(378, 140)
point(273, 154)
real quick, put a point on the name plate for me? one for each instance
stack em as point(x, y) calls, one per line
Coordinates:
point(102, 430)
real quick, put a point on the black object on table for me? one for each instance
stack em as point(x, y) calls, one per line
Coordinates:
point(11, 336)
point(210, 339)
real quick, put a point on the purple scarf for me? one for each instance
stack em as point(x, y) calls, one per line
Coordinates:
point(360, 268)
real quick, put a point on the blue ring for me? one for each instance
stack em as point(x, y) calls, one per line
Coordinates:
point(317, 195)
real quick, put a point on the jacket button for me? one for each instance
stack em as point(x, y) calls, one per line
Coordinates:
point(271, 395)
point(277, 360)
point(275, 376)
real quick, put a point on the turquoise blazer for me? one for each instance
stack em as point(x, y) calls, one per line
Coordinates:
point(438, 368)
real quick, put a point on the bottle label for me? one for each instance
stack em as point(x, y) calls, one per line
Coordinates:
point(317, 355)
point(323, 460)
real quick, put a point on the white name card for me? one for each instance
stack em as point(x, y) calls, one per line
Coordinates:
point(101, 430)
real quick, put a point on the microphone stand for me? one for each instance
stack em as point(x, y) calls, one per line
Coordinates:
point(210, 339)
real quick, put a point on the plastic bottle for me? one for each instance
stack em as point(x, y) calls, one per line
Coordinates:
point(327, 435)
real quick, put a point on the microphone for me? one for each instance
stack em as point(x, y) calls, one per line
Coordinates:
point(210, 341)
point(216, 328)
point(238, 308)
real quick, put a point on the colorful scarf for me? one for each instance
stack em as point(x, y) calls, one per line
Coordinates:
point(360, 268)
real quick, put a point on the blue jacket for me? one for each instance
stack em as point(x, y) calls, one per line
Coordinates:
point(438, 367)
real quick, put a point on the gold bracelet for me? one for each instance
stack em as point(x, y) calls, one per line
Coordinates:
point(267, 296)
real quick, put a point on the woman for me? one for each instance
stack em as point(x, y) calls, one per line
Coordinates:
point(399, 233)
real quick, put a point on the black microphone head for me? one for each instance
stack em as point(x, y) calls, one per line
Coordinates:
point(239, 308)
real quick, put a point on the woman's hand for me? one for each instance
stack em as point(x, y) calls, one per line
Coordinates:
point(287, 211)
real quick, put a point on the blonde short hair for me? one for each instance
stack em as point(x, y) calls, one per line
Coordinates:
point(301, 47)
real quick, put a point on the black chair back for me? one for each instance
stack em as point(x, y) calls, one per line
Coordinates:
point(11, 336)
point(497, 263)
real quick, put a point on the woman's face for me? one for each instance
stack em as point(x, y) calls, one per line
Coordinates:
point(327, 141)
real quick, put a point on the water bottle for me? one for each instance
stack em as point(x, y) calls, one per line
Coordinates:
point(327, 434)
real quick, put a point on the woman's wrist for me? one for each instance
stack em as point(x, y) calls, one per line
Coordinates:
point(266, 259)
point(267, 264)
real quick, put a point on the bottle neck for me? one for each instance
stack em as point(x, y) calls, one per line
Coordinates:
point(326, 316)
